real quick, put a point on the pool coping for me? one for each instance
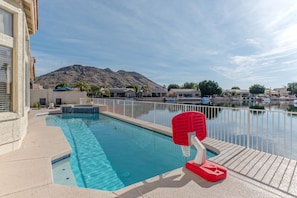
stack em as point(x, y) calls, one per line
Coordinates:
point(27, 171)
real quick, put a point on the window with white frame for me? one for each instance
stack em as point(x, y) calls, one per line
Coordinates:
point(5, 22)
point(6, 27)
point(5, 78)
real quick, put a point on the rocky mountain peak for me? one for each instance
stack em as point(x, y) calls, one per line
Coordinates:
point(93, 75)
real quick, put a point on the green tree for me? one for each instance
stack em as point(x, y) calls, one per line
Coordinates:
point(257, 89)
point(292, 88)
point(190, 85)
point(135, 87)
point(173, 86)
point(145, 90)
point(61, 85)
point(208, 88)
point(82, 86)
point(233, 90)
point(94, 90)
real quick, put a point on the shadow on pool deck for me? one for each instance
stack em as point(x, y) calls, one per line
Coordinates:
point(27, 172)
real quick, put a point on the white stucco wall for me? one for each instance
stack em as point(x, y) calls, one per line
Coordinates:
point(13, 132)
point(68, 97)
point(13, 124)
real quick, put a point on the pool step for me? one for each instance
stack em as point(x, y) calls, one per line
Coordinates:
point(87, 155)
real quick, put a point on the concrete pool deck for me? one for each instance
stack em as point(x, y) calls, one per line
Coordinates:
point(27, 172)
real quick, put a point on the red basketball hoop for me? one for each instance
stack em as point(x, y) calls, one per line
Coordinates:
point(189, 128)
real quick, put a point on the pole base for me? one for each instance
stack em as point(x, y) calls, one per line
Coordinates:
point(209, 170)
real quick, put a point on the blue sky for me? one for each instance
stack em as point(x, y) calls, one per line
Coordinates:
point(233, 42)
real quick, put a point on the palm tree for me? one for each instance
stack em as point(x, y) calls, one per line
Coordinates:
point(104, 90)
point(146, 90)
point(94, 90)
point(82, 86)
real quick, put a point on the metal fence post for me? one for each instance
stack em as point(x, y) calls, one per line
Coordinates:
point(124, 106)
point(113, 105)
point(249, 130)
point(154, 113)
point(132, 115)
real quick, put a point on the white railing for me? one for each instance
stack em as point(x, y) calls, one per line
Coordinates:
point(271, 131)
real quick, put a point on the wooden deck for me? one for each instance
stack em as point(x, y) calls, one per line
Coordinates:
point(274, 171)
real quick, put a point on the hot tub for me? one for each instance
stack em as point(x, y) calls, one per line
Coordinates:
point(80, 109)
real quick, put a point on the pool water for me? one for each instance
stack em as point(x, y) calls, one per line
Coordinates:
point(109, 154)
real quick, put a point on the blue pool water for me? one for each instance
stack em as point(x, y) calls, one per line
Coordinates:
point(109, 154)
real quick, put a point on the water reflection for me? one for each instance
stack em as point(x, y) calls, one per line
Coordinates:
point(274, 105)
point(269, 127)
point(210, 113)
point(292, 108)
point(255, 109)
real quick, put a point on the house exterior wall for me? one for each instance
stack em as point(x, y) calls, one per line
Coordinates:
point(122, 92)
point(282, 91)
point(183, 93)
point(67, 97)
point(130, 94)
point(14, 120)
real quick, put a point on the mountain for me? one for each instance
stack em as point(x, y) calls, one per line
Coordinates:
point(93, 75)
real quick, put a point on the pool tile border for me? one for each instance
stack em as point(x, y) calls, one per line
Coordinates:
point(61, 158)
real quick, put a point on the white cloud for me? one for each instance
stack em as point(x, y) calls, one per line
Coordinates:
point(253, 42)
point(275, 37)
point(230, 41)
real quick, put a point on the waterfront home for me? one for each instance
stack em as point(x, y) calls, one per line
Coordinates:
point(122, 92)
point(158, 92)
point(282, 92)
point(129, 92)
point(18, 20)
point(183, 93)
point(236, 93)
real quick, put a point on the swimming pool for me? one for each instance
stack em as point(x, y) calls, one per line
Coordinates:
point(110, 154)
